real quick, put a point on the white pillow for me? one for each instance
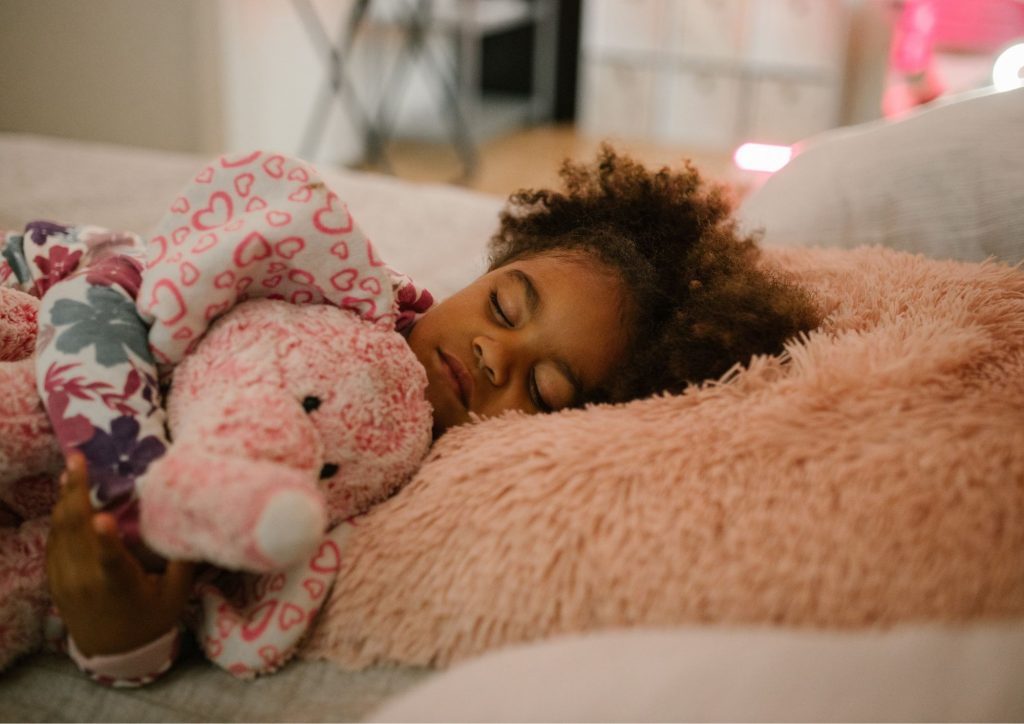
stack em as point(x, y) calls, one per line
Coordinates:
point(918, 673)
point(947, 181)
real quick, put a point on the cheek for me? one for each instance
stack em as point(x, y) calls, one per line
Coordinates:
point(553, 386)
point(423, 341)
point(504, 401)
point(445, 411)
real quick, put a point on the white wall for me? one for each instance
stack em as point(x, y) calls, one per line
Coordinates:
point(191, 75)
point(212, 75)
point(867, 59)
point(139, 73)
point(274, 77)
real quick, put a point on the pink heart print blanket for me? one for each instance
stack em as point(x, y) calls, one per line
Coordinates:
point(261, 225)
point(118, 312)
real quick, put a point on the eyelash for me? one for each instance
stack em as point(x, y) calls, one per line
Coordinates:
point(535, 394)
point(534, 390)
point(499, 312)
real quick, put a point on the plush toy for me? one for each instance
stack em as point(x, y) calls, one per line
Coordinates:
point(285, 419)
point(294, 400)
point(29, 461)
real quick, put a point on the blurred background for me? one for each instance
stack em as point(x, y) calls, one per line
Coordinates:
point(491, 94)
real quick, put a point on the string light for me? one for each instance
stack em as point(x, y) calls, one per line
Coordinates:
point(762, 157)
point(1006, 71)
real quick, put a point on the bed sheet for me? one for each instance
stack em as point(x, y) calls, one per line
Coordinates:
point(48, 687)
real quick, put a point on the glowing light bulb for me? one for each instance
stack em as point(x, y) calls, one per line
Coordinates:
point(762, 157)
point(1006, 71)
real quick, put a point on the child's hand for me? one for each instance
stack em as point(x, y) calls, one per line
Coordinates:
point(108, 602)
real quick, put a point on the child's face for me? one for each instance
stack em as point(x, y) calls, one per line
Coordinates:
point(536, 335)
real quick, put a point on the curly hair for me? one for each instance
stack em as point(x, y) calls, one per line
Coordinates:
point(701, 299)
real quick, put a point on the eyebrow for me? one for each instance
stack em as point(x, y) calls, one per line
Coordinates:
point(529, 289)
point(533, 304)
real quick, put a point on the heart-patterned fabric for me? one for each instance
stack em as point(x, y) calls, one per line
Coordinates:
point(261, 225)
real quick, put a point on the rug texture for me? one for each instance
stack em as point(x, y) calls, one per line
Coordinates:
point(874, 476)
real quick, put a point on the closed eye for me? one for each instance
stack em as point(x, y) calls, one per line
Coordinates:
point(499, 313)
point(538, 400)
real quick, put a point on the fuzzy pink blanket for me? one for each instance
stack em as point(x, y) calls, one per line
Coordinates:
point(876, 477)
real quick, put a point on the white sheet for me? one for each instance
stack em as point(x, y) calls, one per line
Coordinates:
point(914, 673)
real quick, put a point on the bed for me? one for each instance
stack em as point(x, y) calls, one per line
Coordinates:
point(950, 190)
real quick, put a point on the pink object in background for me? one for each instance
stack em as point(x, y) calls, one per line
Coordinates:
point(914, 37)
point(977, 26)
point(923, 27)
point(911, 59)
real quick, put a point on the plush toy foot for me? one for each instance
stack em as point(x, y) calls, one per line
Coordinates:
point(239, 514)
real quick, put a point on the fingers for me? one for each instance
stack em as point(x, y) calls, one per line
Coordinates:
point(65, 544)
point(104, 524)
point(73, 507)
point(119, 566)
point(77, 469)
point(84, 547)
point(177, 582)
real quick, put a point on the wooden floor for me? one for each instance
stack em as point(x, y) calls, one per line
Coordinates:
point(531, 158)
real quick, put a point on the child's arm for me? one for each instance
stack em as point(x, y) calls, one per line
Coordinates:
point(114, 611)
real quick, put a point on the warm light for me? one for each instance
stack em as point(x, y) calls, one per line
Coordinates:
point(762, 157)
point(1006, 70)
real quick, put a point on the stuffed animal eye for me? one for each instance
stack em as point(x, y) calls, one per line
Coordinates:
point(328, 470)
point(310, 403)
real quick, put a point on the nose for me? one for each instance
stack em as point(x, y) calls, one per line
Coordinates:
point(493, 357)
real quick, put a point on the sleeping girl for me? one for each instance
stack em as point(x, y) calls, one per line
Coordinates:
point(624, 284)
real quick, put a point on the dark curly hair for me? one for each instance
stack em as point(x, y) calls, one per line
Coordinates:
point(702, 301)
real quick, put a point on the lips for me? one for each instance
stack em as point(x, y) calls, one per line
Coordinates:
point(458, 376)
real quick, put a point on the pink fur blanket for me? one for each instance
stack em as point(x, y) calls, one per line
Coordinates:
point(875, 477)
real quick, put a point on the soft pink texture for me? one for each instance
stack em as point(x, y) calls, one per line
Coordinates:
point(29, 458)
point(241, 436)
point(18, 313)
point(876, 478)
point(24, 597)
point(27, 447)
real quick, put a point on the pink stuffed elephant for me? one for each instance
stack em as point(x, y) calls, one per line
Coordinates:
point(285, 420)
